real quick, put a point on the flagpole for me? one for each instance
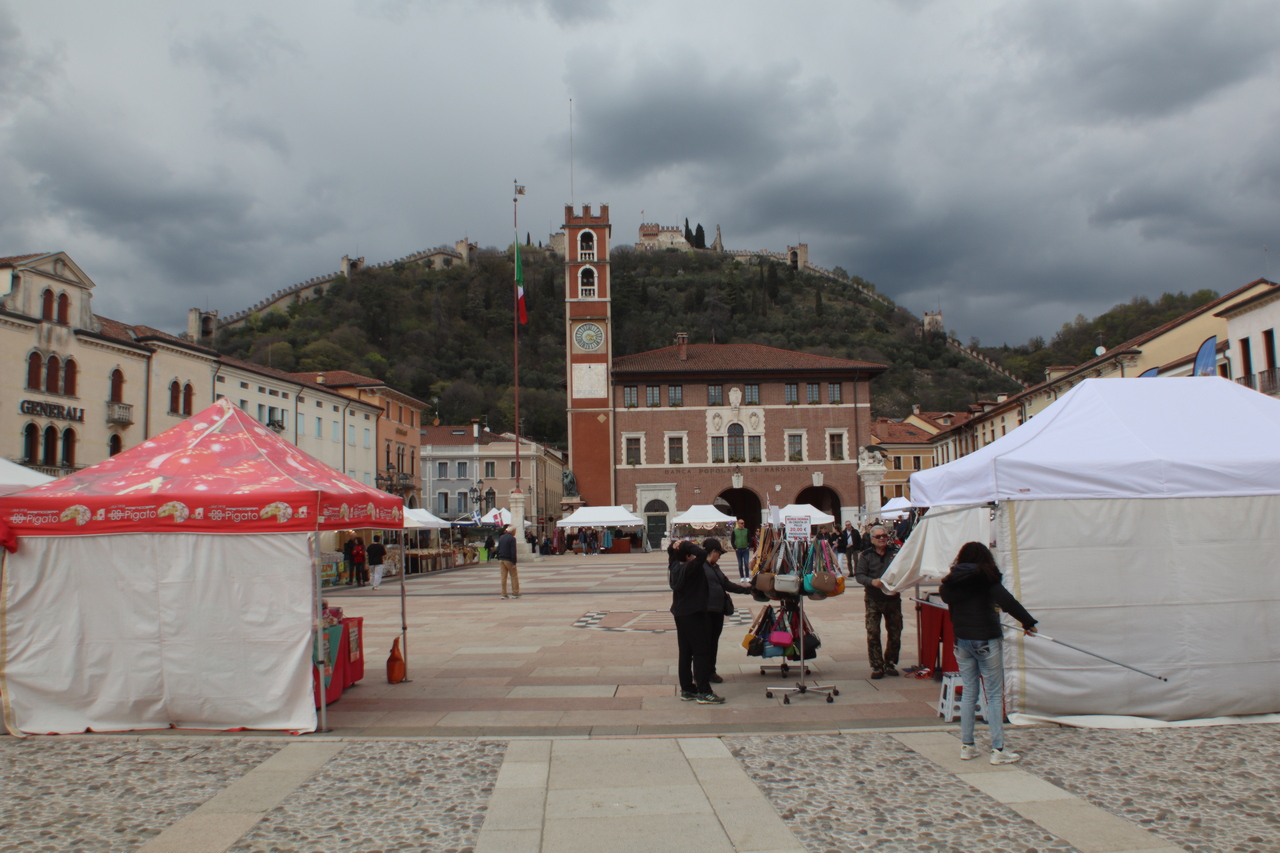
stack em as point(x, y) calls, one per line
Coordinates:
point(515, 318)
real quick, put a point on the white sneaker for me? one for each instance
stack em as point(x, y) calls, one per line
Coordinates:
point(1000, 756)
point(968, 752)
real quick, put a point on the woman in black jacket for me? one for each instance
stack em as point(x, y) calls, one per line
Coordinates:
point(973, 591)
point(699, 604)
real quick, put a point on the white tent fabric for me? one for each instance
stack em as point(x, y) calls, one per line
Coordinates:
point(129, 650)
point(15, 478)
point(1140, 520)
point(600, 516)
point(421, 519)
point(703, 516)
point(1184, 588)
point(896, 504)
point(933, 543)
point(500, 517)
point(815, 515)
point(1158, 438)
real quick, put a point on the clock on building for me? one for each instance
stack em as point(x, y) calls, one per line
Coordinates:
point(588, 336)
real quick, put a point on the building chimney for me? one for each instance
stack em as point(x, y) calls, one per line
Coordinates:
point(682, 346)
point(915, 408)
point(475, 428)
point(319, 378)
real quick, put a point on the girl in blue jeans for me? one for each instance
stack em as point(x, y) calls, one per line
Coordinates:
point(973, 591)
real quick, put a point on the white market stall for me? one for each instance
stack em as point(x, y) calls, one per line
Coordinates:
point(895, 509)
point(815, 515)
point(16, 478)
point(704, 517)
point(602, 517)
point(1139, 519)
point(175, 584)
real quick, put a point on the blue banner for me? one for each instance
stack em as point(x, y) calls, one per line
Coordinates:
point(1155, 371)
point(1207, 358)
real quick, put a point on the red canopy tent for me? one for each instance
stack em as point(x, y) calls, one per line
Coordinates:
point(128, 605)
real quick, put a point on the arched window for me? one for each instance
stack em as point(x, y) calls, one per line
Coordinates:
point(68, 448)
point(175, 398)
point(117, 386)
point(53, 375)
point(35, 371)
point(50, 455)
point(69, 373)
point(46, 310)
point(587, 246)
point(31, 444)
point(64, 309)
point(114, 445)
point(188, 397)
point(737, 450)
point(587, 283)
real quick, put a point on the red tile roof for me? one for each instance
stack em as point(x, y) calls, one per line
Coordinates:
point(892, 432)
point(115, 329)
point(736, 358)
point(13, 260)
point(338, 378)
point(444, 435)
point(292, 378)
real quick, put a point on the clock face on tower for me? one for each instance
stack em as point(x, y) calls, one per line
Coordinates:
point(588, 336)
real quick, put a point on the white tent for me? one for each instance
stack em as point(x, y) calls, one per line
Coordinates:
point(600, 516)
point(421, 519)
point(15, 478)
point(174, 584)
point(1139, 519)
point(895, 509)
point(703, 516)
point(815, 515)
point(500, 518)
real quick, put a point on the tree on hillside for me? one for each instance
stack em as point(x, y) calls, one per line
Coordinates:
point(699, 237)
point(688, 235)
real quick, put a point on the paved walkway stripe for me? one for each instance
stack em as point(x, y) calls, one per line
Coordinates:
point(236, 809)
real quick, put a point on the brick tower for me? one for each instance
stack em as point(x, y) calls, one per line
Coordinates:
point(588, 329)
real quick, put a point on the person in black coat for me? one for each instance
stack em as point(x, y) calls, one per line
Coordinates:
point(973, 591)
point(699, 603)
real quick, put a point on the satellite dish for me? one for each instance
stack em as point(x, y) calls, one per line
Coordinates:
point(1100, 350)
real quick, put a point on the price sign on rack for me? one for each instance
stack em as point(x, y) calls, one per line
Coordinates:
point(797, 528)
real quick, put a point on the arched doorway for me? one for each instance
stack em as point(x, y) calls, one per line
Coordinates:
point(740, 503)
point(655, 515)
point(823, 498)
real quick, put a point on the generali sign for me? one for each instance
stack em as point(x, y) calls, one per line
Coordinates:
point(57, 411)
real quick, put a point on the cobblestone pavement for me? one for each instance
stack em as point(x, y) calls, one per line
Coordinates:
point(111, 794)
point(413, 795)
point(870, 792)
point(1206, 789)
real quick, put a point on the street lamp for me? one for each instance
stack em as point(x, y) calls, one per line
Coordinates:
point(477, 494)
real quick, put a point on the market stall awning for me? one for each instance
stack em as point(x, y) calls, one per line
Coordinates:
point(421, 519)
point(15, 478)
point(600, 516)
point(815, 515)
point(218, 471)
point(703, 516)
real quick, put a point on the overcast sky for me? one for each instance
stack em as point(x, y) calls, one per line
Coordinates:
point(1013, 164)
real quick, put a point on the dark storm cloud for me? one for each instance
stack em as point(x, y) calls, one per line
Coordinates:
point(193, 230)
point(238, 56)
point(1129, 60)
point(672, 111)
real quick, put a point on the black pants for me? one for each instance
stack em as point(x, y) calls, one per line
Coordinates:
point(698, 636)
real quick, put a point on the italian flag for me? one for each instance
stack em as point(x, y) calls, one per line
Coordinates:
point(520, 309)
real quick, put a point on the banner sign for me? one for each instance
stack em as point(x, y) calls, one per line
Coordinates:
point(798, 528)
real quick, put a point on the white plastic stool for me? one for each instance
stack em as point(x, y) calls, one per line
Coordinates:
point(949, 699)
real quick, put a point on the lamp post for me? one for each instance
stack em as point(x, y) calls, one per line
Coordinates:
point(476, 493)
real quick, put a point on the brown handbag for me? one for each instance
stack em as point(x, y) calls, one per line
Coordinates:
point(824, 582)
point(764, 581)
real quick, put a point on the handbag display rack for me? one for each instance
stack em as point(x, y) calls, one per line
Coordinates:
point(800, 571)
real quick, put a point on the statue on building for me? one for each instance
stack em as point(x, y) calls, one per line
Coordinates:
point(570, 484)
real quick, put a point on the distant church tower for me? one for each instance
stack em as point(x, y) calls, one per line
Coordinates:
point(588, 330)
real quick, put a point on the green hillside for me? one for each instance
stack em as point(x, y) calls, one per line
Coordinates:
point(445, 336)
point(1076, 341)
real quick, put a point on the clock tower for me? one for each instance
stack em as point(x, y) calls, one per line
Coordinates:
point(589, 349)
